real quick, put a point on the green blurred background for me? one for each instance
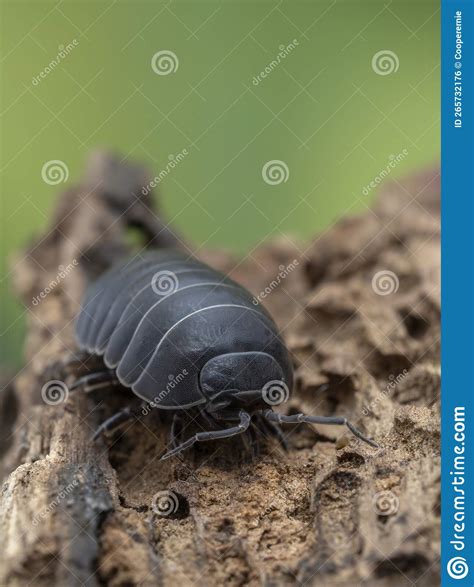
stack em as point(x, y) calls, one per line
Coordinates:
point(323, 111)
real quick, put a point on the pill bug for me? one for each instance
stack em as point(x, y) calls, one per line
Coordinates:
point(163, 318)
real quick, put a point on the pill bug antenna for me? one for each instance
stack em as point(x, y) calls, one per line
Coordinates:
point(242, 426)
point(328, 420)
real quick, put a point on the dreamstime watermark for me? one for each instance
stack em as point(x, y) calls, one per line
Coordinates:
point(40, 516)
point(275, 172)
point(164, 283)
point(165, 503)
point(393, 381)
point(54, 392)
point(458, 494)
point(385, 503)
point(271, 507)
point(164, 62)
point(393, 161)
point(54, 172)
point(385, 283)
point(457, 567)
point(173, 381)
point(275, 392)
point(284, 51)
point(64, 51)
point(173, 161)
point(284, 271)
point(385, 62)
point(63, 272)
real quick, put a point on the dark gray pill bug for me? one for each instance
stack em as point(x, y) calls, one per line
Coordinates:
point(187, 338)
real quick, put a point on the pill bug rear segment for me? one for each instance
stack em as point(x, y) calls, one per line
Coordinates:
point(163, 316)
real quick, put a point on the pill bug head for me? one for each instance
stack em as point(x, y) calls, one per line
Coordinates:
point(252, 380)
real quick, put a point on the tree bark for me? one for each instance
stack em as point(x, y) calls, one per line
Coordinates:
point(330, 511)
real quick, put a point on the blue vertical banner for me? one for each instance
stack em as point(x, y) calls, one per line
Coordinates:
point(457, 181)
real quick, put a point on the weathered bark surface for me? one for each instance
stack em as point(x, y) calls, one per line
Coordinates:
point(330, 512)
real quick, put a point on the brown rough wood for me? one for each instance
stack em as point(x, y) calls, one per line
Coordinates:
point(331, 511)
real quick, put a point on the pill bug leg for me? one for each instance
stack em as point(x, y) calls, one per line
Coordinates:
point(247, 443)
point(244, 422)
point(211, 421)
point(124, 415)
point(96, 380)
point(331, 420)
point(253, 433)
point(175, 430)
point(127, 414)
point(275, 431)
point(250, 443)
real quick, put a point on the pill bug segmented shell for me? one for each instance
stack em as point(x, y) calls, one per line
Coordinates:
point(161, 314)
